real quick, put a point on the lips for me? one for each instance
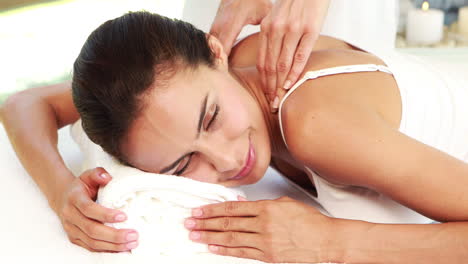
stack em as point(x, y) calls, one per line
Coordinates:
point(248, 164)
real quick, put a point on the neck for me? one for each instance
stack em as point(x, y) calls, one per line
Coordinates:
point(249, 78)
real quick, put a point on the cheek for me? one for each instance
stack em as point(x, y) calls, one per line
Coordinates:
point(235, 114)
point(203, 173)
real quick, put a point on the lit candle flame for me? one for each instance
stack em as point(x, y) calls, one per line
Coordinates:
point(425, 6)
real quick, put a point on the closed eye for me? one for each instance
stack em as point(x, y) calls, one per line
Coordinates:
point(213, 119)
point(184, 164)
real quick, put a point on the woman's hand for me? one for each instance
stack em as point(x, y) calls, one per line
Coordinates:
point(83, 219)
point(281, 230)
point(288, 34)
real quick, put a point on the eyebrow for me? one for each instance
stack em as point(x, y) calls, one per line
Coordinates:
point(200, 120)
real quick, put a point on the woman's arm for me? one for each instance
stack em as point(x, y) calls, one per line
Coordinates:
point(31, 119)
point(364, 242)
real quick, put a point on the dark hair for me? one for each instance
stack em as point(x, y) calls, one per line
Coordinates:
point(118, 64)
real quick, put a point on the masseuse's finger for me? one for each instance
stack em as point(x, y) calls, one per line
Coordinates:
point(100, 231)
point(92, 210)
point(263, 44)
point(99, 245)
point(300, 58)
point(240, 224)
point(275, 42)
point(285, 61)
point(227, 209)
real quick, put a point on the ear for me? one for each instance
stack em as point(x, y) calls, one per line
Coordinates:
point(216, 47)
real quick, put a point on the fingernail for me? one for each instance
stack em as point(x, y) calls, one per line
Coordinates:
point(272, 109)
point(103, 176)
point(287, 85)
point(195, 235)
point(132, 245)
point(197, 212)
point(276, 102)
point(271, 96)
point(120, 217)
point(132, 236)
point(241, 198)
point(213, 248)
point(189, 223)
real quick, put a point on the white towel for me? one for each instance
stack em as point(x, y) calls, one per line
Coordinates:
point(156, 206)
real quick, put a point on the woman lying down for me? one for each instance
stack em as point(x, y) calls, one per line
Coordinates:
point(377, 139)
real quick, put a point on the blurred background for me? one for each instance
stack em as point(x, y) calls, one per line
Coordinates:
point(39, 40)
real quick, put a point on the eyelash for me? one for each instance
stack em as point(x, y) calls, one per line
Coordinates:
point(178, 173)
point(212, 121)
point(215, 115)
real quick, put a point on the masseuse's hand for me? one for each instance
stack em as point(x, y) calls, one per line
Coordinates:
point(281, 230)
point(288, 34)
point(83, 219)
point(233, 15)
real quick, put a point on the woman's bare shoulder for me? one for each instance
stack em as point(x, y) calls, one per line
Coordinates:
point(367, 88)
point(338, 97)
point(244, 53)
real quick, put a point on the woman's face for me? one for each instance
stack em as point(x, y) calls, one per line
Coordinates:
point(203, 125)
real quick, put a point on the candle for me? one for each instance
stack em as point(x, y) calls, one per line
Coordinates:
point(424, 26)
point(463, 20)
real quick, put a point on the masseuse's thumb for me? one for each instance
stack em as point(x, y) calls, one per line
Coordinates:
point(227, 34)
point(95, 178)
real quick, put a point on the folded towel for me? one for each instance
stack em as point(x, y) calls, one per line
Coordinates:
point(156, 205)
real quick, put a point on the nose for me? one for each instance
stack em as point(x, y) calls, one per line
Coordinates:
point(224, 157)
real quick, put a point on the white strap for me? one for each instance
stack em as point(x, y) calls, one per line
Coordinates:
point(325, 72)
point(346, 69)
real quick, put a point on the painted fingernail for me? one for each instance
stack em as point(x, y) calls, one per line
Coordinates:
point(197, 212)
point(276, 102)
point(195, 235)
point(287, 85)
point(132, 245)
point(241, 198)
point(103, 176)
point(189, 223)
point(120, 217)
point(213, 248)
point(132, 236)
